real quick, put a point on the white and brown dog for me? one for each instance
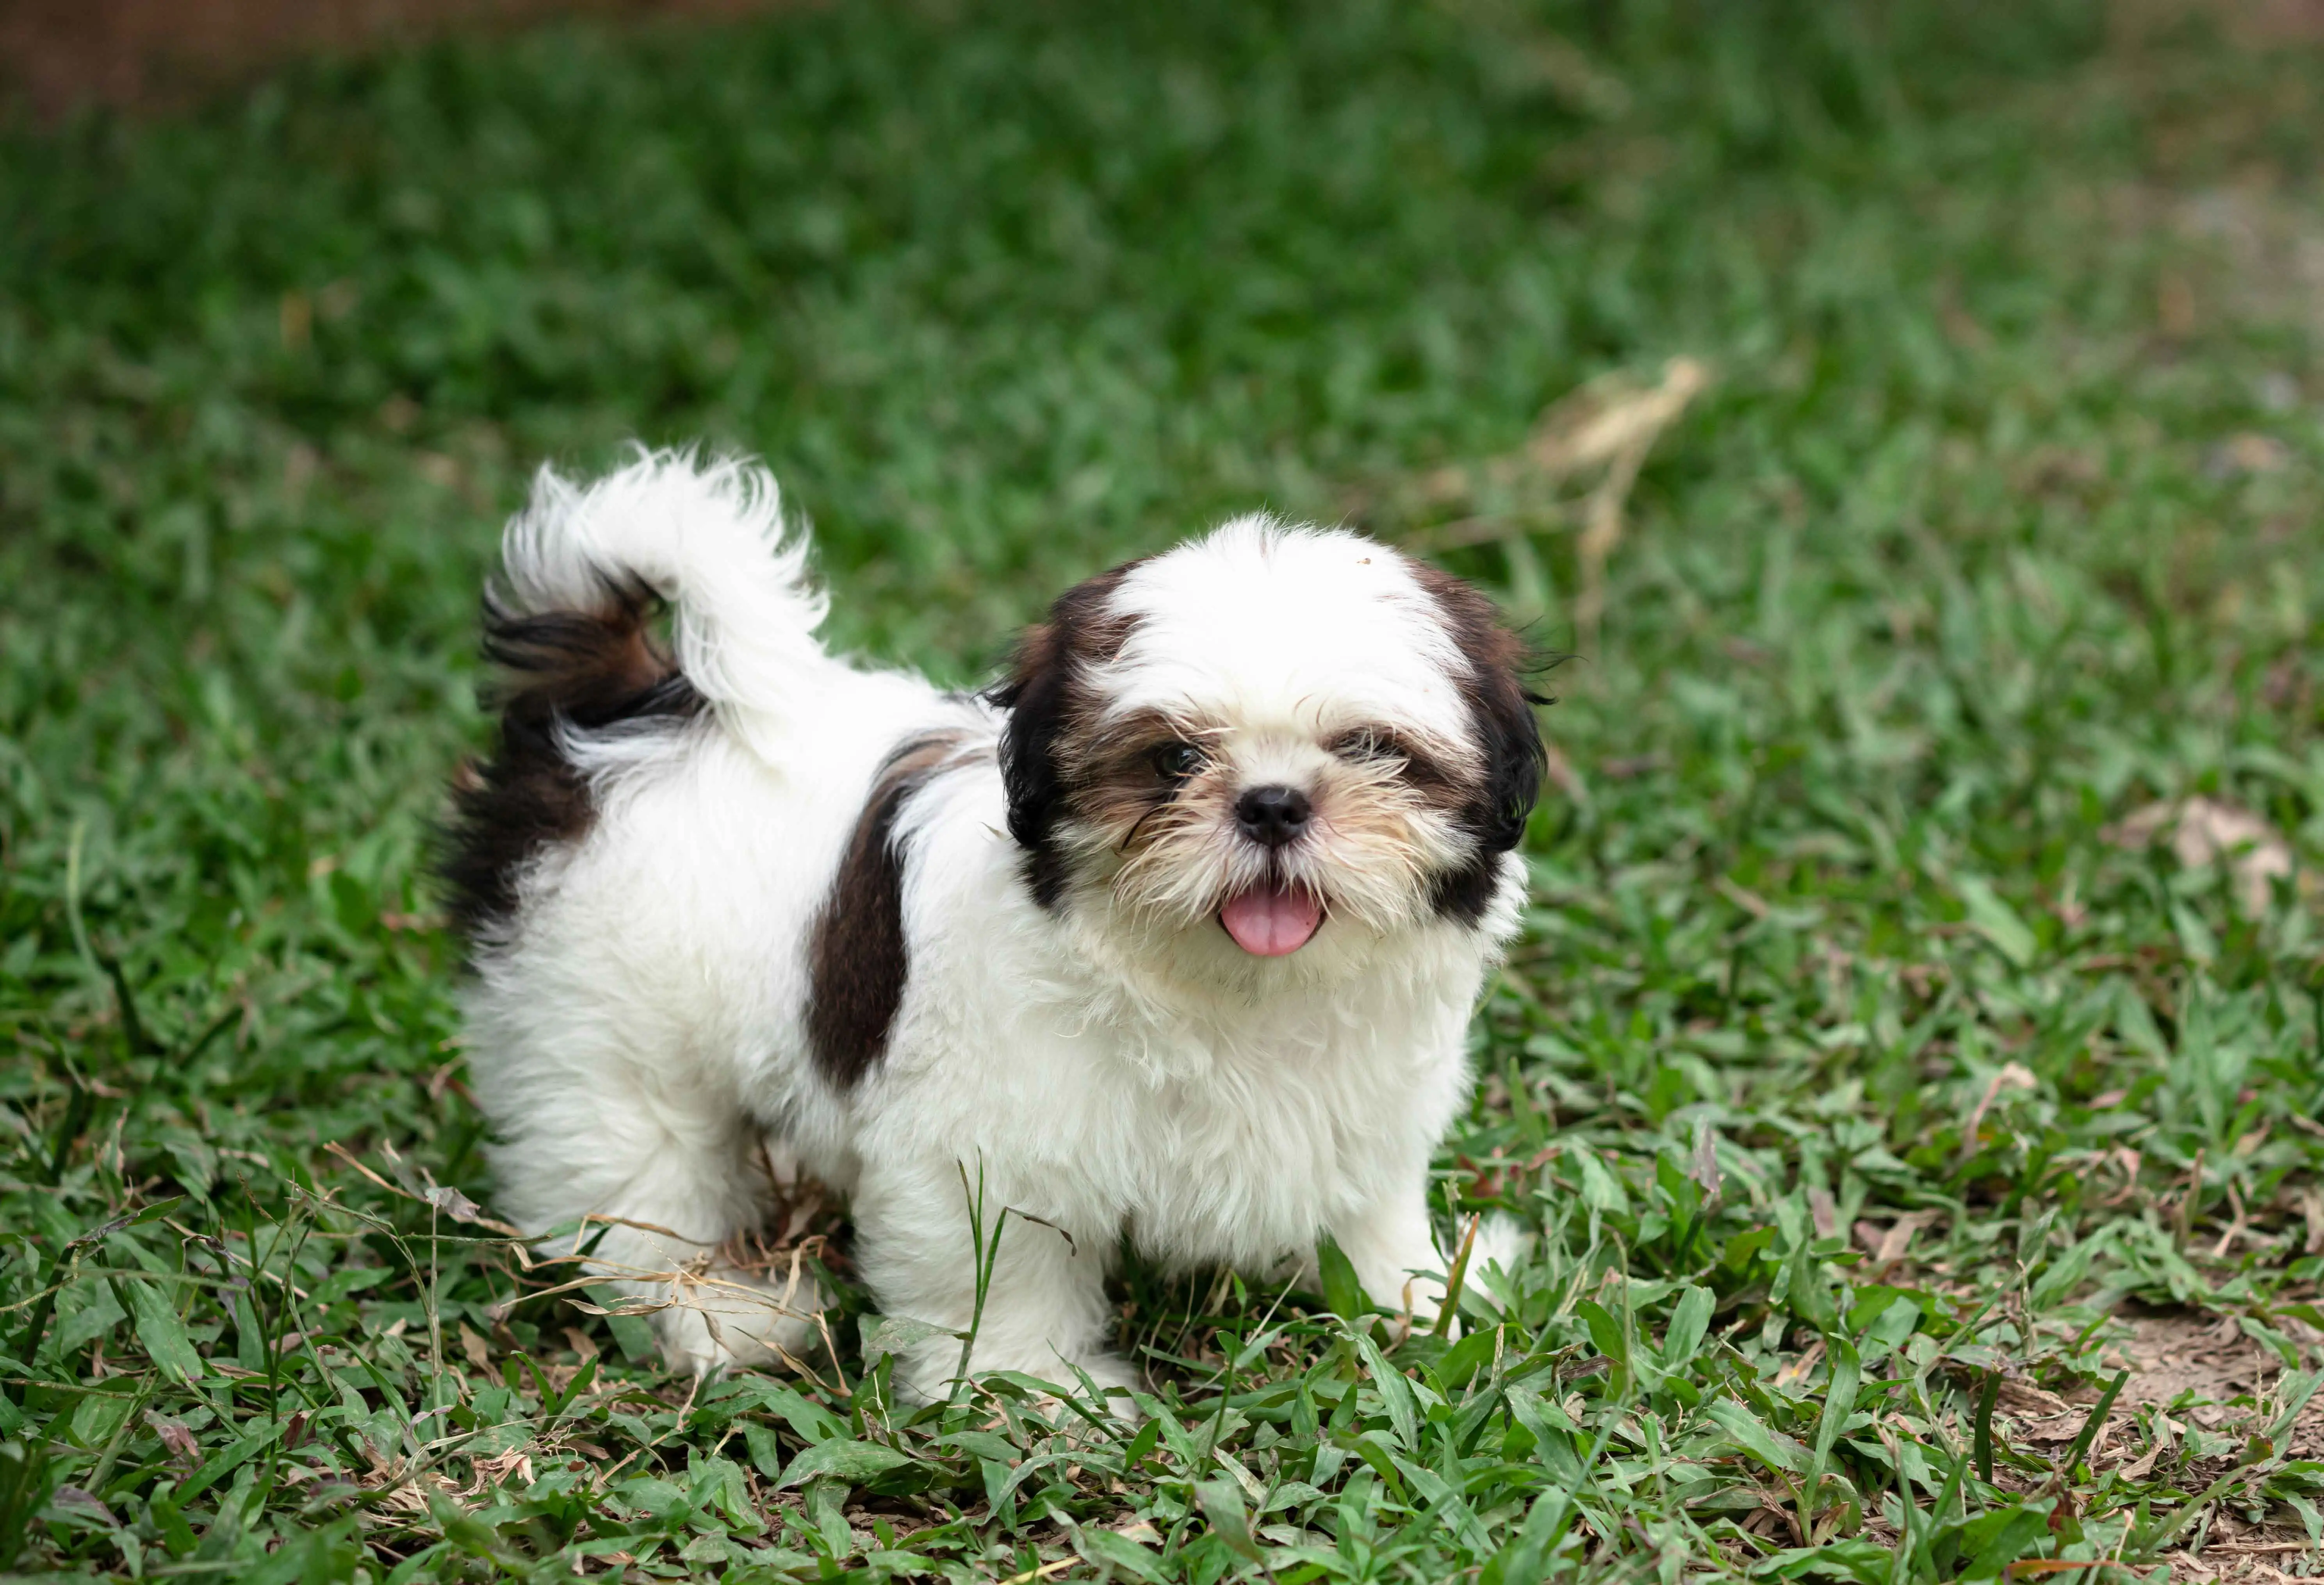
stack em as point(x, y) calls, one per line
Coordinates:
point(1172, 938)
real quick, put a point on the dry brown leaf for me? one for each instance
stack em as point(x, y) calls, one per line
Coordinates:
point(2057, 1428)
point(2023, 1397)
point(2204, 831)
point(1607, 427)
point(1793, 1374)
point(2012, 1076)
point(1609, 418)
point(495, 1469)
point(1898, 1238)
point(2139, 1470)
point(2248, 453)
point(175, 1437)
point(1823, 1210)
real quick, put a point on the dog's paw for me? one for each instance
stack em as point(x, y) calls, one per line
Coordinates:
point(1117, 1380)
point(1502, 1242)
point(930, 1376)
point(724, 1323)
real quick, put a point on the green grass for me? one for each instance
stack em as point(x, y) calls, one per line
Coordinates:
point(1999, 522)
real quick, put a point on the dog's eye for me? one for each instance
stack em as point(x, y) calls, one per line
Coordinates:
point(1177, 761)
point(1367, 744)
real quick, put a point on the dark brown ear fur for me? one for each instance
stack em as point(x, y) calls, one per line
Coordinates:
point(585, 668)
point(1500, 708)
point(1045, 696)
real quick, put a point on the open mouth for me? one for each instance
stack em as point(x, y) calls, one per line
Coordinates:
point(1272, 921)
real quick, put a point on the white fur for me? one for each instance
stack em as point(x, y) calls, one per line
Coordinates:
point(636, 1031)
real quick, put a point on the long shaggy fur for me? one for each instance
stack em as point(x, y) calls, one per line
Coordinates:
point(738, 907)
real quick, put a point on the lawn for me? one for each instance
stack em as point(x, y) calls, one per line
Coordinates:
point(1910, 1069)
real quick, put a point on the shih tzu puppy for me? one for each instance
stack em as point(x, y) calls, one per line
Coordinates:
point(1170, 938)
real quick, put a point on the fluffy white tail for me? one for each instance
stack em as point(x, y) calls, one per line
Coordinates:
point(707, 538)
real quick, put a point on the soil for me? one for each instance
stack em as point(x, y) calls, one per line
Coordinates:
point(2204, 1363)
point(59, 56)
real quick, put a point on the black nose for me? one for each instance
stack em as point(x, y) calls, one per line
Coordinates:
point(1273, 816)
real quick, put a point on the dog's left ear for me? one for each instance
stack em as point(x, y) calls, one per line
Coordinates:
point(1515, 759)
point(1500, 708)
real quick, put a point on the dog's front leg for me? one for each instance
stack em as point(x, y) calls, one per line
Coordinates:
point(1033, 1303)
point(1389, 1242)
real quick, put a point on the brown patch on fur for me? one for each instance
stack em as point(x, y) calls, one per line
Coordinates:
point(1420, 765)
point(857, 957)
point(582, 669)
point(1112, 780)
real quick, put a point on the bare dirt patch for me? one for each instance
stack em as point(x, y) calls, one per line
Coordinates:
point(2203, 1364)
point(2186, 1373)
point(2176, 1354)
point(60, 55)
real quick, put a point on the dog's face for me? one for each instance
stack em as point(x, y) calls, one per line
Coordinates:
point(1268, 738)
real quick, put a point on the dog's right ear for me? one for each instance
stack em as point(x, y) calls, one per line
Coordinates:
point(1049, 698)
point(1034, 696)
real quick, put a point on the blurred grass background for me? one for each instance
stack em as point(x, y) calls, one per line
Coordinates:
point(1995, 525)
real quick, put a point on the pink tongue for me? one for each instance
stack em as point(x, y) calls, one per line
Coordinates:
point(1270, 923)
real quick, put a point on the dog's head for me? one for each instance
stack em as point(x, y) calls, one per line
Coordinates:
point(1265, 737)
